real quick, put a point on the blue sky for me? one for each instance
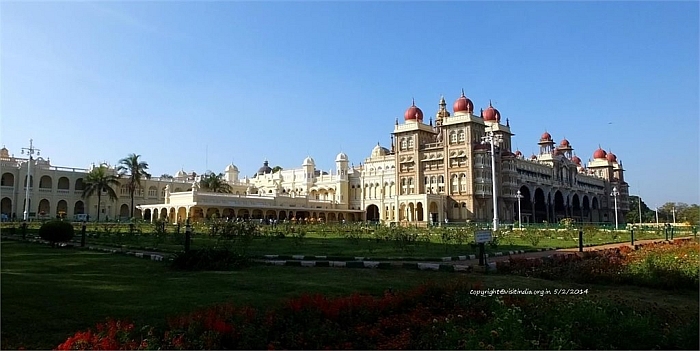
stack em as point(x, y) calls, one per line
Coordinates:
point(201, 84)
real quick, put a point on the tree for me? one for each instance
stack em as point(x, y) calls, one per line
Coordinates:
point(276, 169)
point(214, 183)
point(135, 170)
point(97, 181)
point(690, 214)
point(166, 176)
point(648, 215)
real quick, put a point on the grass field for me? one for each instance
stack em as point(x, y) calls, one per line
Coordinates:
point(48, 294)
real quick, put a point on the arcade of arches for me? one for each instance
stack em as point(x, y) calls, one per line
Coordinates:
point(554, 205)
point(194, 213)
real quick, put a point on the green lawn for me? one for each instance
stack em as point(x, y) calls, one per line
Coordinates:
point(48, 294)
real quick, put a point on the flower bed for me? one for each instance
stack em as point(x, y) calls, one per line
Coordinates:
point(667, 265)
point(429, 317)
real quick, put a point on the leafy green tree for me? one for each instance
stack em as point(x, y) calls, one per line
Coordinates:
point(648, 214)
point(166, 176)
point(215, 183)
point(276, 169)
point(134, 170)
point(690, 214)
point(97, 181)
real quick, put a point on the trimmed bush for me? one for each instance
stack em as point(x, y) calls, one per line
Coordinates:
point(56, 231)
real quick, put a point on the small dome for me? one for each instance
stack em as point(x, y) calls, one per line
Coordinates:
point(518, 153)
point(231, 168)
point(180, 174)
point(265, 169)
point(413, 113)
point(379, 151)
point(4, 152)
point(341, 157)
point(599, 154)
point(546, 136)
point(491, 114)
point(533, 157)
point(463, 104)
point(308, 161)
point(611, 157)
point(564, 143)
point(576, 160)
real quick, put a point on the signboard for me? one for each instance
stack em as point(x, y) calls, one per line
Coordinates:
point(482, 236)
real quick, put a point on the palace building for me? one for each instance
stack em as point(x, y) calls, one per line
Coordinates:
point(431, 172)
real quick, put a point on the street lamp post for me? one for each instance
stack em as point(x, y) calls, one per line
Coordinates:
point(30, 151)
point(674, 215)
point(520, 217)
point(492, 139)
point(614, 194)
point(657, 216)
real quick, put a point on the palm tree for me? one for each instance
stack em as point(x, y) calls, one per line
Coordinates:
point(97, 181)
point(135, 170)
point(214, 183)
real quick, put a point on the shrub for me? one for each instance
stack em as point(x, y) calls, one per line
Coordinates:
point(56, 231)
point(208, 260)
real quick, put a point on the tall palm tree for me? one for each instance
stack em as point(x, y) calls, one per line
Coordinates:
point(97, 181)
point(135, 170)
point(214, 183)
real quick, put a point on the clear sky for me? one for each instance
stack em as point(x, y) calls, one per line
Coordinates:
point(201, 84)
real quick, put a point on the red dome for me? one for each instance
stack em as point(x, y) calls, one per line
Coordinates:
point(611, 157)
point(518, 153)
point(463, 104)
point(600, 153)
point(546, 136)
point(565, 143)
point(491, 114)
point(413, 113)
point(533, 157)
point(576, 160)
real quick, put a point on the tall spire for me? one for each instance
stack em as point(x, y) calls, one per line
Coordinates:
point(413, 101)
point(463, 92)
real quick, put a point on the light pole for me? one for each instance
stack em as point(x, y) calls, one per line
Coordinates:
point(674, 215)
point(520, 217)
point(657, 215)
point(640, 209)
point(614, 194)
point(30, 151)
point(492, 139)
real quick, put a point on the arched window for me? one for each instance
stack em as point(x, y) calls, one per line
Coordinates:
point(460, 136)
point(410, 143)
point(453, 137)
point(404, 144)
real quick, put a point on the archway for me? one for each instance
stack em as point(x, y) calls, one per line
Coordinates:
point(45, 182)
point(559, 207)
point(576, 209)
point(62, 209)
point(282, 215)
point(6, 206)
point(526, 206)
point(271, 214)
point(332, 217)
point(79, 208)
point(147, 214)
point(244, 213)
point(44, 207)
point(63, 183)
point(586, 209)
point(433, 209)
point(124, 211)
point(8, 179)
point(540, 213)
point(372, 213)
point(79, 184)
point(419, 212)
point(213, 213)
point(411, 215)
point(257, 214)
point(595, 213)
point(228, 213)
point(181, 214)
point(163, 213)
